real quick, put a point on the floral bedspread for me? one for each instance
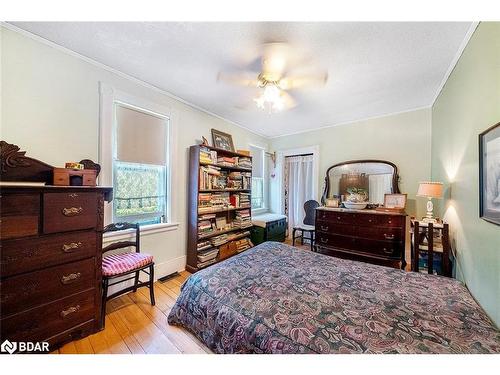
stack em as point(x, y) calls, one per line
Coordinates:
point(276, 298)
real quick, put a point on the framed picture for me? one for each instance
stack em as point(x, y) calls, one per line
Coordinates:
point(395, 201)
point(489, 174)
point(222, 140)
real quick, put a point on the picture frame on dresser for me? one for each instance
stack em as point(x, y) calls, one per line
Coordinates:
point(489, 174)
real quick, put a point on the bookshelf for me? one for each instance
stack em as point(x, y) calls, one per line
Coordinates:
point(219, 222)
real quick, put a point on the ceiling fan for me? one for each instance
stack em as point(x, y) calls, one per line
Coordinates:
point(273, 80)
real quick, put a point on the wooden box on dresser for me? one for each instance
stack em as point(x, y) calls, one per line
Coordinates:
point(51, 240)
point(366, 235)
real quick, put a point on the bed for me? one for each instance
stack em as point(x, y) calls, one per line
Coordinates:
point(276, 298)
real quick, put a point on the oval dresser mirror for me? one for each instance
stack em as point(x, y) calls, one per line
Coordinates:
point(370, 179)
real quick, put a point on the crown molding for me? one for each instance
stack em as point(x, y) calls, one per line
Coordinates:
point(455, 60)
point(353, 121)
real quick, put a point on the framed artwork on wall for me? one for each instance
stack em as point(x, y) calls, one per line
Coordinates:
point(222, 140)
point(489, 174)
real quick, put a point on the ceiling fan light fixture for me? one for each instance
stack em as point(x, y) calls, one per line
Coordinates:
point(271, 97)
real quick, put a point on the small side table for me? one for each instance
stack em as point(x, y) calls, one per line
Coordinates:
point(425, 232)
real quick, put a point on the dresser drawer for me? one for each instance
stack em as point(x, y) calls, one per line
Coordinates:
point(332, 228)
point(20, 215)
point(391, 221)
point(336, 216)
point(382, 248)
point(380, 233)
point(334, 240)
point(69, 211)
point(23, 255)
point(25, 291)
point(40, 323)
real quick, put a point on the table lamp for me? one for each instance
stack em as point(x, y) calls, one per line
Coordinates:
point(430, 190)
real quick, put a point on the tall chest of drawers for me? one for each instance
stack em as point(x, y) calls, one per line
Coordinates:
point(365, 235)
point(50, 281)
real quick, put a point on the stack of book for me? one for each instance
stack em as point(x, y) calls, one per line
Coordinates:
point(243, 244)
point(240, 200)
point(227, 161)
point(243, 219)
point(205, 227)
point(234, 236)
point(204, 202)
point(239, 180)
point(210, 177)
point(207, 257)
point(207, 156)
point(245, 162)
point(213, 202)
point(204, 245)
point(219, 240)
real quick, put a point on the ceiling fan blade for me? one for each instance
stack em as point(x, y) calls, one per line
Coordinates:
point(274, 60)
point(290, 83)
point(288, 100)
point(241, 79)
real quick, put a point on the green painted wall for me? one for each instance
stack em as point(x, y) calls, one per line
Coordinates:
point(469, 104)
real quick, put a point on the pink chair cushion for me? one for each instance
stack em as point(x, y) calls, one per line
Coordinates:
point(116, 264)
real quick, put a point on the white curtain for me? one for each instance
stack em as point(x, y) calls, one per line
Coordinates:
point(299, 187)
point(379, 184)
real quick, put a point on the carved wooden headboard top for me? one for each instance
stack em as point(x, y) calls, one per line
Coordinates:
point(15, 166)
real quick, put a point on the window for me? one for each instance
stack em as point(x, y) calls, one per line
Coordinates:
point(140, 175)
point(258, 191)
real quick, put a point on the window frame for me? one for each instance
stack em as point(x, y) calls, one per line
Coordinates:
point(109, 98)
point(264, 207)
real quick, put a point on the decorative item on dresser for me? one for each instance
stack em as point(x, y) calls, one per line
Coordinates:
point(362, 234)
point(51, 239)
point(220, 219)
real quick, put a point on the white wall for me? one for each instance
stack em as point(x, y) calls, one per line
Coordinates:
point(50, 107)
point(404, 139)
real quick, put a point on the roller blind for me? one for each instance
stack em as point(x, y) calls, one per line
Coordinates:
point(140, 137)
point(257, 161)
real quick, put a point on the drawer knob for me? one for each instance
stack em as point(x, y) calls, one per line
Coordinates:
point(69, 311)
point(72, 277)
point(73, 195)
point(389, 236)
point(338, 217)
point(72, 211)
point(69, 247)
point(387, 251)
point(324, 228)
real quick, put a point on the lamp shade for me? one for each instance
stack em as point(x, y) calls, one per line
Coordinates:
point(430, 189)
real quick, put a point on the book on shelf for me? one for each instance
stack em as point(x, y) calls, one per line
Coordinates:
point(208, 156)
point(219, 240)
point(243, 219)
point(207, 263)
point(208, 255)
point(204, 245)
point(244, 162)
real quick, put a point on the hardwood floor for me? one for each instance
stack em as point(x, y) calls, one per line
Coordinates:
point(134, 326)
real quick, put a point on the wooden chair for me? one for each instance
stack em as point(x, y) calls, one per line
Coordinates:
point(307, 225)
point(423, 232)
point(118, 265)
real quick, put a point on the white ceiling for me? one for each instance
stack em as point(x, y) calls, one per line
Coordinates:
point(374, 68)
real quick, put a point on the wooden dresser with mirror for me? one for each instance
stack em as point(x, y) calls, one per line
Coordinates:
point(362, 234)
point(51, 240)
